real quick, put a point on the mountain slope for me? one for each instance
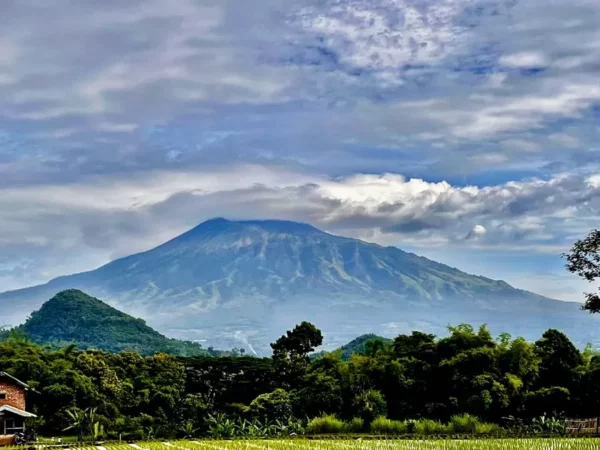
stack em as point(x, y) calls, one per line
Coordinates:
point(74, 317)
point(244, 283)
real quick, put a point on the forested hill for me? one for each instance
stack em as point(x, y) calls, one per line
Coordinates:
point(358, 346)
point(72, 316)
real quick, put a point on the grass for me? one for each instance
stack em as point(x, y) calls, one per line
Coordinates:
point(466, 423)
point(381, 425)
point(326, 425)
point(301, 444)
point(458, 425)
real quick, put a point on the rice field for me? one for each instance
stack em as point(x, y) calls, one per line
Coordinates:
point(299, 444)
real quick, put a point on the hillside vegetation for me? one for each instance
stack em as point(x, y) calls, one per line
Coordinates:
point(73, 317)
point(466, 382)
point(362, 345)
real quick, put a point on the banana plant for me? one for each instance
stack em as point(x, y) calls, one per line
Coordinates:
point(189, 430)
point(78, 421)
point(98, 431)
point(545, 424)
point(221, 426)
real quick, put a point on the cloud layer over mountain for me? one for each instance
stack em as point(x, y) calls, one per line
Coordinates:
point(468, 124)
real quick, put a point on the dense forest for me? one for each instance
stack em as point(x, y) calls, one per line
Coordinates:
point(415, 376)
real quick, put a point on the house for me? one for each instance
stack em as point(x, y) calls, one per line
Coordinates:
point(12, 407)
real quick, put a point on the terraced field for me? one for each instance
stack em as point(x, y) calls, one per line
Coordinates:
point(471, 444)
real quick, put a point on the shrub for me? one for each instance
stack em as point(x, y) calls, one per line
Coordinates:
point(276, 405)
point(325, 425)
point(369, 405)
point(464, 423)
point(544, 424)
point(356, 425)
point(487, 428)
point(427, 426)
point(382, 425)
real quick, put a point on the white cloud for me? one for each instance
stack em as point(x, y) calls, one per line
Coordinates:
point(593, 181)
point(101, 218)
point(372, 73)
point(524, 145)
point(479, 229)
point(129, 122)
point(386, 35)
point(501, 115)
point(565, 140)
point(524, 59)
point(9, 51)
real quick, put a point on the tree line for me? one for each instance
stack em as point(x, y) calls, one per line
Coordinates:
point(416, 376)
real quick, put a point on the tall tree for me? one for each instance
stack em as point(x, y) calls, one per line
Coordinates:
point(559, 360)
point(584, 260)
point(290, 351)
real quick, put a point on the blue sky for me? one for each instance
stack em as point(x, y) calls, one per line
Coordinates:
point(466, 131)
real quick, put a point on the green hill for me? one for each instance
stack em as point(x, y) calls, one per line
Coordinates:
point(72, 316)
point(357, 346)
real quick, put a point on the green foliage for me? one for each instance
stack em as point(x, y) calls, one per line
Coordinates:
point(97, 430)
point(73, 317)
point(435, 443)
point(488, 428)
point(466, 382)
point(78, 422)
point(222, 426)
point(123, 394)
point(362, 345)
point(327, 424)
point(548, 425)
point(552, 400)
point(559, 360)
point(291, 351)
point(85, 423)
point(584, 260)
point(383, 425)
point(320, 389)
point(276, 405)
point(429, 427)
point(459, 424)
point(464, 423)
point(368, 405)
point(223, 382)
point(356, 425)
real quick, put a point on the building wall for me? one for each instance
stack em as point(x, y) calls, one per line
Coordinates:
point(6, 440)
point(15, 395)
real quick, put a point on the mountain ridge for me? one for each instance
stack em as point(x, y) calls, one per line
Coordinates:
point(244, 281)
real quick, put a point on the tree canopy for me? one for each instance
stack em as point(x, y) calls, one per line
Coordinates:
point(417, 376)
point(584, 260)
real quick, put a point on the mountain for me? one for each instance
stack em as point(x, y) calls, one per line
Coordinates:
point(243, 283)
point(74, 317)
